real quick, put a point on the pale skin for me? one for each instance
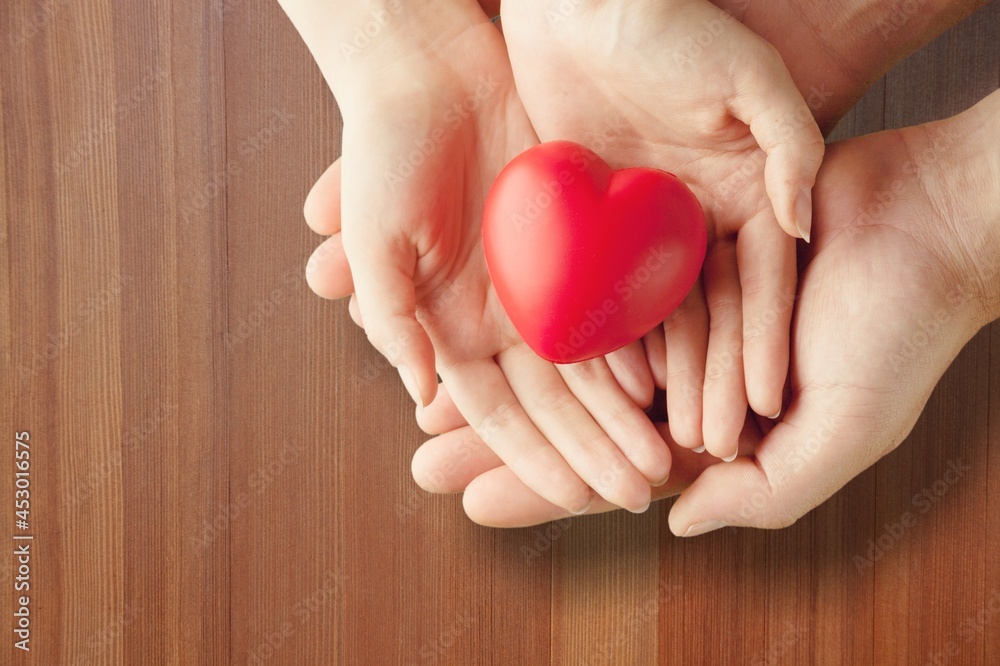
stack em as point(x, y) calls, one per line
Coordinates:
point(851, 44)
point(679, 85)
point(879, 274)
point(625, 372)
point(410, 229)
point(412, 242)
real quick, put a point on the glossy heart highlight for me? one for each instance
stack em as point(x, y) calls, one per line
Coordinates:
point(585, 259)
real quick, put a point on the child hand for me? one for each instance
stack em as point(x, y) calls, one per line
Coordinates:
point(430, 117)
point(682, 86)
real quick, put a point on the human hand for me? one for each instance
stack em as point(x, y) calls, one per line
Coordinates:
point(726, 117)
point(429, 122)
point(905, 286)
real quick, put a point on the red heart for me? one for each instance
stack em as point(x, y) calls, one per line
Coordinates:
point(585, 259)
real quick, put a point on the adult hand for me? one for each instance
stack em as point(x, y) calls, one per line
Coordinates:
point(903, 270)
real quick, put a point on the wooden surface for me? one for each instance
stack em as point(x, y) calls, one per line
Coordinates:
point(220, 463)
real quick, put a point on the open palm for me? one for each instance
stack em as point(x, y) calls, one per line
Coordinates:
point(649, 93)
point(887, 300)
point(403, 208)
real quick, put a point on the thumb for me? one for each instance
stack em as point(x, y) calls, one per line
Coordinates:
point(783, 126)
point(383, 281)
point(799, 464)
point(381, 260)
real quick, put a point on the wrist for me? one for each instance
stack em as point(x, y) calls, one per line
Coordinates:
point(963, 158)
point(372, 44)
point(835, 51)
point(984, 171)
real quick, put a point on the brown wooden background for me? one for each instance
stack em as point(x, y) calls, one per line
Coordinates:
point(220, 468)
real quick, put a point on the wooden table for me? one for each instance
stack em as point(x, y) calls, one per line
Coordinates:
point(220, 463)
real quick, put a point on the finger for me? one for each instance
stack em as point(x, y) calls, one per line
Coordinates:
point(441, 415)
point(655, 346)
point(482, 393)
point(766, 258)
point(497, 498)
point(383, 269)
point(725, 391)
point(784, 128)
point(686, 335)
point(626, 424)
point(322, 206)
point(327, 271)
point(355, 311)
point(563, 420)
point(632, 372)
point(798, 465)
point(448, 463)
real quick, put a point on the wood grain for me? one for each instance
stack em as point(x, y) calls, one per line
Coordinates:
point(220, 462)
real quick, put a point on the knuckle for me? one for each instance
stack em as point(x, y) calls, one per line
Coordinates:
point(778, 519)
point(586, 371)
point(724, 313)
point(557, 399)
point(499, 420)
point(754, 283)
point(679, 319)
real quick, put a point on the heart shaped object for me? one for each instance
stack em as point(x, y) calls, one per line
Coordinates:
point(585, 259)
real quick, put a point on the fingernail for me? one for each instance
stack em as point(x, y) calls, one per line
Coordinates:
point(660, 483)
point(804, 213)
point(585, 509)
point(732, 457)
point(642, 510)
point(704, 528)
point(700, 449)
point(410, 382)
point(776, 415)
